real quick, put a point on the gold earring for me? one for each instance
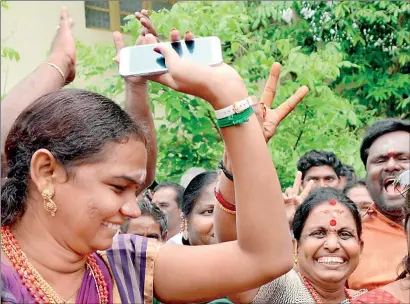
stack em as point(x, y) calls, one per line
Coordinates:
point(184, 227)
point(49, 204)
point(295, 258)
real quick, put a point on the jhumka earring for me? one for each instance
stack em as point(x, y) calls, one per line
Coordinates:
point(49, 204)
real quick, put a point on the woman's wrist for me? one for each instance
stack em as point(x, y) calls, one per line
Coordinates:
point(135, 87)
point(136, 81)
point(225, 95)
point(63, 62)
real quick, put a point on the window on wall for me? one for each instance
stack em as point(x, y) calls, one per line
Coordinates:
point(109, 15)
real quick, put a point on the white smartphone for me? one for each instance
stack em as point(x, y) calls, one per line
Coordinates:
point(143, 60)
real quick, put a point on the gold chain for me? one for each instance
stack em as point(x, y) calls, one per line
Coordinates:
point(44, 286)
point(33, 280)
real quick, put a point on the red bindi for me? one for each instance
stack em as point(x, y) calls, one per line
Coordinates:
point(332, 202)
point(332, 222)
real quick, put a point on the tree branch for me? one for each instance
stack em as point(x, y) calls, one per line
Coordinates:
point(301, 131)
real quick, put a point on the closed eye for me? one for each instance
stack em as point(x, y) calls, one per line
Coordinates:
point(118, 188)
point(379, 160)
point(318, 234)
point(344, 235)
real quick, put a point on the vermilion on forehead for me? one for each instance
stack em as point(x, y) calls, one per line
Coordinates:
point(332, 211)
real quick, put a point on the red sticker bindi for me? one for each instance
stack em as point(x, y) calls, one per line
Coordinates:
point(332, 202)
point(332, 222)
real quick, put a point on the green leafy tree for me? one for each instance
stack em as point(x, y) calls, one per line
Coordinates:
point(7, 53)
point(323, 45)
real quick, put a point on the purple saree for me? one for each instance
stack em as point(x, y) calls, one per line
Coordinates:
point(128, 268)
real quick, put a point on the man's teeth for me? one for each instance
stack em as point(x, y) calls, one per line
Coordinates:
point(389, 187)
point(111, 226)
point(330, 260)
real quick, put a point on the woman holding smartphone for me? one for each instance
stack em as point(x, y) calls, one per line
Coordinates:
point(75, 163)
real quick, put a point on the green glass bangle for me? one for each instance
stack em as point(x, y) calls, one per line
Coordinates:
point(236, 119)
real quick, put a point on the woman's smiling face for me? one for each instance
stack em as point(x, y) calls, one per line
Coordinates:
point(329, 247)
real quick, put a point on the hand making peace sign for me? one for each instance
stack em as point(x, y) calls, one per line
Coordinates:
point(271, 118)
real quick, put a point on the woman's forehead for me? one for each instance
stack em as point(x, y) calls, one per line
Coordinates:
point(322, 213)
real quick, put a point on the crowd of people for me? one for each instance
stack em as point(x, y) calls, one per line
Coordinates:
point(83, 220)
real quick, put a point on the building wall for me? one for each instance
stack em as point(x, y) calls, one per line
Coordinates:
point(29, 27)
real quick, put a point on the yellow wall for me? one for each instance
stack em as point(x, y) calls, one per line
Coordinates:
point(29, 27)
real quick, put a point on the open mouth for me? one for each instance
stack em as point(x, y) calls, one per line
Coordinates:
point(389, 186)
point(331, 260)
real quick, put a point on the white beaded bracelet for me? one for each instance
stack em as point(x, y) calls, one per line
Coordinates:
point(236, 108)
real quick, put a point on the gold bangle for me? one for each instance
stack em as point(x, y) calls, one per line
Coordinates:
point(57, 68)
point(226, 209)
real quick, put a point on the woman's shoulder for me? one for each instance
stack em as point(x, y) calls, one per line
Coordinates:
point(133, 244)
point(131, 260)
point(12, 291)
point(288, 288)
point(377, 296)
point(357, 293)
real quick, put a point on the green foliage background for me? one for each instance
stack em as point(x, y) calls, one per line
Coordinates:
point(7, 53)
point(354, 56)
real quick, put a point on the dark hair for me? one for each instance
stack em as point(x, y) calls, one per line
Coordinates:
point(195, 188)
point(357, 183)
point(74, 125)
point(3, 165)
point(317, 197)
point(153, 185)
point(378, 129)
point(149, 209)
point(349, 172)
point(179, 190)
point(315, 158)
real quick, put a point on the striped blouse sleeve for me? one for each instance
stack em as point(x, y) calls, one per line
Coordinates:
point(131, 260)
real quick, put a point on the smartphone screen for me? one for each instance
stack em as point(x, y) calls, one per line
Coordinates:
point(143, 60)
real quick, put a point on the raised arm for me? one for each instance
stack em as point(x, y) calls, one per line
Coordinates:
point(136, 93)
point(263, 250)
point(225, 224)
point(136, 89)
point(45, 79)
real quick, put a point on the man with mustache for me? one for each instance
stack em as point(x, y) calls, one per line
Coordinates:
point(385, 152)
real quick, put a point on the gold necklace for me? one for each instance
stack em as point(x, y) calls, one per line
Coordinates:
point(36, 285)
